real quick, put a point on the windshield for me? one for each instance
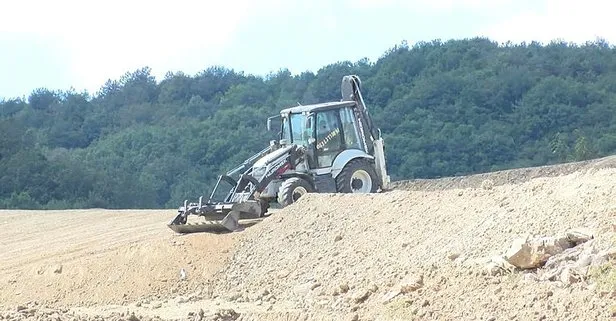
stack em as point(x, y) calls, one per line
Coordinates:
point(298, 126)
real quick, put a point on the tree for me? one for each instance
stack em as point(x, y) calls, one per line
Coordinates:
point(444, 107)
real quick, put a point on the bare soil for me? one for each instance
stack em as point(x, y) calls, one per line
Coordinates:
point(92, 257)
point(327, 257)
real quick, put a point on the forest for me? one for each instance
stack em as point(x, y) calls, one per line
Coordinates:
point(445, 108)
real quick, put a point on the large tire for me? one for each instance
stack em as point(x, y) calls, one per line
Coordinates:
point(292, 189)
point(358, 176)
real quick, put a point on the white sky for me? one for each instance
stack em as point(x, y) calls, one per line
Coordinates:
point(64, 43)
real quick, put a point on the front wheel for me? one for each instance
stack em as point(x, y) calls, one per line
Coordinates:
point(292, 189)
point(264, 203)
point(358, 176)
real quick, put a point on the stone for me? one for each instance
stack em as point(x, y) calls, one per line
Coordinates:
point(530, 277)
point(570, 254)
point(493, 269)
point(568, 276)
point(408, 284)
point(598, 260)
point(226, 314)
point(235, 296)
point(530, 254)
point(361, 296)
point(454, 255)
point(353, 317)
point(608, 254)
point(584, 260)
point(497, 265)
point(374, 288)
point(283, 273)
point(387, 297)
point(302, 289)
point(57, 269)
point(411, 283)
point(579, 235)
point(265, 292)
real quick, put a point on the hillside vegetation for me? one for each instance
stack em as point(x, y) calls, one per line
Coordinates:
point(445, 108)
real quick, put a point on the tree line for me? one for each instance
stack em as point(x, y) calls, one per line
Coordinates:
point(445, 108)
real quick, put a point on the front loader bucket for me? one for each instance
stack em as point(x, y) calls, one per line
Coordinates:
point(218, 219)
point(211, 226)
point(248, 209)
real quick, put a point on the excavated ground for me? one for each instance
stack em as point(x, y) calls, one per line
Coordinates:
point(418, 252)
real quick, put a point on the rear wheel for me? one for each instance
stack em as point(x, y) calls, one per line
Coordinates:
point(358, 176)
point(292, 189)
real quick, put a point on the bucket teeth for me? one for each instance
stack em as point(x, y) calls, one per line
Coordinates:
point(211, 226)
point(208, 226)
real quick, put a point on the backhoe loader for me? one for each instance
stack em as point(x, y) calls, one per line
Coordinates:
point(330, 147)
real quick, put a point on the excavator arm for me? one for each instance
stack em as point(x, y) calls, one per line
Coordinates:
point(371, 135)
point(351, 91)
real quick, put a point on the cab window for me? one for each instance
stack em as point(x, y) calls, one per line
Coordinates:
point(329, 137)
point(300, 133)
point(349, 128)
point(286, 133)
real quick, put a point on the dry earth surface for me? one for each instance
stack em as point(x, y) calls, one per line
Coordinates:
point(430, 249)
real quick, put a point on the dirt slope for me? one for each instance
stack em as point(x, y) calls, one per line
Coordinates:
point(328, 257)
point(511, 176)
point(341, 255)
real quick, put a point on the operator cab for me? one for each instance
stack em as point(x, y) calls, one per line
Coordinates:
point(325, 130)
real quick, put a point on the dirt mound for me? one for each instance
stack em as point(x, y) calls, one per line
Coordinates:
point(344, 255)
point(511, 176)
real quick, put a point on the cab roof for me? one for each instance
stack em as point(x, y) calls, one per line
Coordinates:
point(317, 107)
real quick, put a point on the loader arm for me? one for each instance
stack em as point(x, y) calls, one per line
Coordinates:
point(351, 90)
point(242, 201)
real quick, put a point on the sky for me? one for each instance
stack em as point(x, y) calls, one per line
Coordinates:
point(65, 44)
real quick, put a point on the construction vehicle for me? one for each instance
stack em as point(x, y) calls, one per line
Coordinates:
point(330, 147)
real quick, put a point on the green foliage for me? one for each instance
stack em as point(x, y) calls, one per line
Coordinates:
point(604, 277)
point(445, 108)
